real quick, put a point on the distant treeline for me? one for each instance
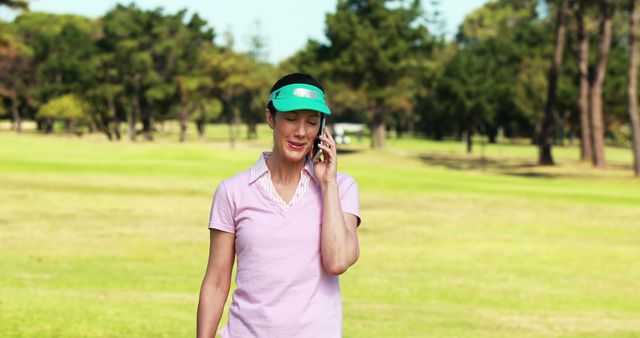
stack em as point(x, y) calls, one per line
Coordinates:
point(383, 63)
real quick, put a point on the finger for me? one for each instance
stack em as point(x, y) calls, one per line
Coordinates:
point(326, 132)
point(331, 146)
point(329, 135)
point(325, 148)
point(329, 154)
point(327, 140)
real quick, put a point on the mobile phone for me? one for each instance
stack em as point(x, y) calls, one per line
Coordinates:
point(316, 150)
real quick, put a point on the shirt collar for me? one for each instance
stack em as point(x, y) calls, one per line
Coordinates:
point(260, 167)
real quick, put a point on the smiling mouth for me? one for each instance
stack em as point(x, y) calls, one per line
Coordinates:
point(296, 146)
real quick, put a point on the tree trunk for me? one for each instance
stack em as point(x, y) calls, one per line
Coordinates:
point(233, 127)
point(252, 130)
point(411, 125)
point(116, 128)
point(469, 140)
point(379, 135)
point(40, 125)
point(227, 96)
point(582, 57)
point(71, 127)
point(104, 125)
point(561, 126)
point(112, 116)
point(147, 125)
point(92, 125)
point(132, 117)
point(183, 122)
point(548, 124)
point(378, 127)
point(200, 125)
point(492, 134)
point(632, 87)
point(597, 120)
point(107, 131)
point(17, 121)
point(135, 107)
point(131, 123)
point(49, 127)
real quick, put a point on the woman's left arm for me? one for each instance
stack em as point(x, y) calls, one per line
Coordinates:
point(339, 241)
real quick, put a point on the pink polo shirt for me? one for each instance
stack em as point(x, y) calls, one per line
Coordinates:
point(282, 287)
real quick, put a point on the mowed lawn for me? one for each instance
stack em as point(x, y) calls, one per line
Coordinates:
point(102, 239)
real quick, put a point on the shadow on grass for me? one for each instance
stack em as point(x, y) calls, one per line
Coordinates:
point(348, 151)
point(511, 167)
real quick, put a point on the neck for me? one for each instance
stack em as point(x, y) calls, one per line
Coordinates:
point(283, 171)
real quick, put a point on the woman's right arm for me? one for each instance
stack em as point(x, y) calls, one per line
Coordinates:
point(216, 283)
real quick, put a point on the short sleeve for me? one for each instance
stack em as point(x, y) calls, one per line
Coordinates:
point(349, 201)
point(221, 216)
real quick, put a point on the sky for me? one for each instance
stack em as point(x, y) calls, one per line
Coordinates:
point(286, 25)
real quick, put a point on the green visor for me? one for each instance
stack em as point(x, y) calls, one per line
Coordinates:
point(299, 96)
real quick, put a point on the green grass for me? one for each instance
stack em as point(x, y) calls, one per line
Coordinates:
point(102, 239)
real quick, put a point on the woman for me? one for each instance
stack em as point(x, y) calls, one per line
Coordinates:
point(291, 222)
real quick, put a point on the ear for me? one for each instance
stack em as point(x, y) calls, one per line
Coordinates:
point(269, 118)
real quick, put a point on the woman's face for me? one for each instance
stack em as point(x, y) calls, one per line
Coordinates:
point(294, 132)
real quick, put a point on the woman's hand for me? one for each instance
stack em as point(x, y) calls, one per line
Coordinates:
point(327, 169)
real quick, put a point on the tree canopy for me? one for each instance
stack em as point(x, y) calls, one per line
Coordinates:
point(379, 63)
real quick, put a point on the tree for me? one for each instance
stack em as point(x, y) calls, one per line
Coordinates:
point(371, 48)
point(191, 89)
point(548, 124)
point(632, 89)
point(582, 57)
point(531, 87)
point(521, 40)
point(476, 85)
point(62, 48)
point(258, 43)
point(495, 19)
point(104, 100)
point(263, 75)
point(69, 108)
point(15, 4)
point(15, 73)
point(597, 120)
point(242, 85)
point(179, 52)
point(207, 111)
point(11, 56)
point(126, 36)
point(435, 19)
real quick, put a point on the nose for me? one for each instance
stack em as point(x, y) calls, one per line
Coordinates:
point(300, 131)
